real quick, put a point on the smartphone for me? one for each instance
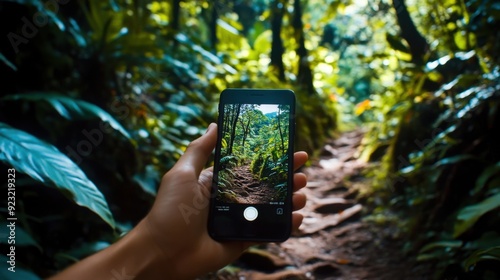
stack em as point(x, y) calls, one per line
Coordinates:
point(251, 198)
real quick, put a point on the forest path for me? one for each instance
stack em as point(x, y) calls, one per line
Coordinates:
point(251, 190)
point(333, 242)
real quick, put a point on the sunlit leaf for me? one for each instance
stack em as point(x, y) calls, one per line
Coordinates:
point(262, 43)
point(41, 7)
point(362, 106)
point(454, 159)
point(182, 110)
point(197, 48)
point(469, 215)
point(74, 29)
point(72, 109)
point(465, 40)
point(45, 163)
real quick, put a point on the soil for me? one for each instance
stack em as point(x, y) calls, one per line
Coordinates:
point(334, 241)
point(252, 191)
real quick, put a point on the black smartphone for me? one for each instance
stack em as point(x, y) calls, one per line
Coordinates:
point(252, 186)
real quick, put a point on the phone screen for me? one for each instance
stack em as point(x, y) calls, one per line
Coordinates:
point(251, 198)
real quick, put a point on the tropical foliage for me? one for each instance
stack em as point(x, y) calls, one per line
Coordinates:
point(99, 98)
point(438, 121)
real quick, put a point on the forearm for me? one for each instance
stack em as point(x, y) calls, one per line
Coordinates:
point(135, 256)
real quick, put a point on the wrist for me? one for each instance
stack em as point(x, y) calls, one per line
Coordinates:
point(134, 256)
point(140, 256)
point(165, 260)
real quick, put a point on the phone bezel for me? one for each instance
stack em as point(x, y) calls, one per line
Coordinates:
point(256, 96)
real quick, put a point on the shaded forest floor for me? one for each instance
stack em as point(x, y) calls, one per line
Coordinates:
point(334, 241)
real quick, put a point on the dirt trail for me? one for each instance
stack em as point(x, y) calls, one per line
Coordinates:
point(251, 190)
point(333, 242)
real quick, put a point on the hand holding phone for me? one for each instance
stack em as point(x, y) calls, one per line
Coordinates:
point(253, 171)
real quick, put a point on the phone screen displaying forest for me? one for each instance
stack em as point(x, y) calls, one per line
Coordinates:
point(253, 167)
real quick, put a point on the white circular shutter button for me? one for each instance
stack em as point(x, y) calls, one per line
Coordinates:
point(250, 213)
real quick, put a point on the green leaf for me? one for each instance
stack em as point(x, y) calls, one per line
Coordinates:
point(148, 179)
point(396, 43)
point(481, 255)
point(453, 160)
point(487, 174)
point(487, 240)
point(72, 109)
point(78, 35)
point(40, 6)
point(45, 163)
point(441, 244)
point(7, 62)
point(468, 216)
point(182, 38)
point(464, 40)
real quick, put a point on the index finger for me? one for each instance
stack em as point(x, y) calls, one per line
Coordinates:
point(196, 155)
point(299, 159)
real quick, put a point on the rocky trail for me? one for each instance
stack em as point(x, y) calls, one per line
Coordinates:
point(251, 191)
point(333, 242)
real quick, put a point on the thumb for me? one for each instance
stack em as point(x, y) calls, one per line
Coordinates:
point(198, 151)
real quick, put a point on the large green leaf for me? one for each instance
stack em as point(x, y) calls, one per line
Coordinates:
point(45, 163)
point(468, 215)
point(72, 109)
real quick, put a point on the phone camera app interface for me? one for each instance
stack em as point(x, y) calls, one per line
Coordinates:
point(253, 166)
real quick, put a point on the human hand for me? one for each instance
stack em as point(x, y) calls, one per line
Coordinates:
point(177, 223)
point(172, 241)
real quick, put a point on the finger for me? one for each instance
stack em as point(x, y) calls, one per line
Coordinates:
point(198, 151)
point(298, 201)
point(205, 181)
point(296, 220)
point(299, 181)
point(299, 159)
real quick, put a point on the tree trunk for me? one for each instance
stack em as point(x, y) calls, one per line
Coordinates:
point(176, 12)
point(280, 130)
point(418, 44)
point(277, 48)
point(304, 75)
point(233, 128)
point(213, 25)
point(246, 130)
point(226, 120)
